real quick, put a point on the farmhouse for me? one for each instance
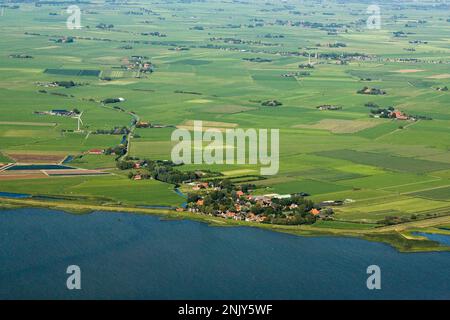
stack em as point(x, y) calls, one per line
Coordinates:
point(277, 196)
point(271, 195)
point(96, 151)
point(283, 196)
point(301, 194)
point(61, 112)
point(399, 115)
point(271, 103)
point(143, 124)
point(198, 186)
point(332, 203)
point(371, 91)
point(328, 107)
point(230, 215)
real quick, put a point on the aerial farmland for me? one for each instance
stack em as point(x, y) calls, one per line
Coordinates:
point(363, 114)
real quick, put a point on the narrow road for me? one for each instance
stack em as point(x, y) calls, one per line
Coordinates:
point(136, 119)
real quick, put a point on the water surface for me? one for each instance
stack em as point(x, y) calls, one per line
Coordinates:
point(131, 256)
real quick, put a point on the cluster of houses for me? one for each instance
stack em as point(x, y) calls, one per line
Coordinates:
point(54, 84)
point(244, 202)
point(21, 56)
point(96, 151)
point(57, 112)
point(143, 124)
point(371, 91)
point(113, 100)
point(138, 63)
point(199, 186)
point(137, 175)
point(328, 107)
point(296, 74)
point(241, 207)
point(47, 84)
point(139, 165)
point(64, 40)
point(333, 203)
point(393, 114)
point(271, 103)
point(146, 124)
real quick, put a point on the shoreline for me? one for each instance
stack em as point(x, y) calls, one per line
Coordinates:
point(398, 236)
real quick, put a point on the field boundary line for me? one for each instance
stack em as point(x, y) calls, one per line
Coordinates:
point(428, 189)
point(407, 184)
point(419, 224)
point(6, 167)
point(394, 131)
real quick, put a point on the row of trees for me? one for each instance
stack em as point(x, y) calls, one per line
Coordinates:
point(159, 170)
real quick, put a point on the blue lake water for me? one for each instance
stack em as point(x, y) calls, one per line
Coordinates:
point(68, 159)
point(131, 256)
point(14, 195)
point(441, 238)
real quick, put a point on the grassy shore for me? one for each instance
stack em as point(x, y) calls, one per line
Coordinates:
point(398, 236)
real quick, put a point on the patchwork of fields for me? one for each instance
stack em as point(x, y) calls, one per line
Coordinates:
point(217, 62)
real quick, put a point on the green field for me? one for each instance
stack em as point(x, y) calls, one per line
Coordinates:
point(218, 62)
point(73, 72)
point(108, 188)
point(4, 158)
point(435, 194)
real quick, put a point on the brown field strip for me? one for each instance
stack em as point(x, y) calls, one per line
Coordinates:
point(34, 124)
point(340, 126)
point(408, 70)
point(415, 224)
point(36, 158)
point(440, 76)
point(73, 172)
point(5, 175)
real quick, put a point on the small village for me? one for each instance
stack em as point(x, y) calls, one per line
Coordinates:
point(59, 112)
point(139, 64)
point(221, 198)
point(210, 194)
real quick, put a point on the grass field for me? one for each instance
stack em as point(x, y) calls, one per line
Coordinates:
point(217, 63)
point(4, 158)
point(105, 188)
point(435, 193)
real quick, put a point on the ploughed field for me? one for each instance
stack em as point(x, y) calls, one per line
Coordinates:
point(217, 62)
